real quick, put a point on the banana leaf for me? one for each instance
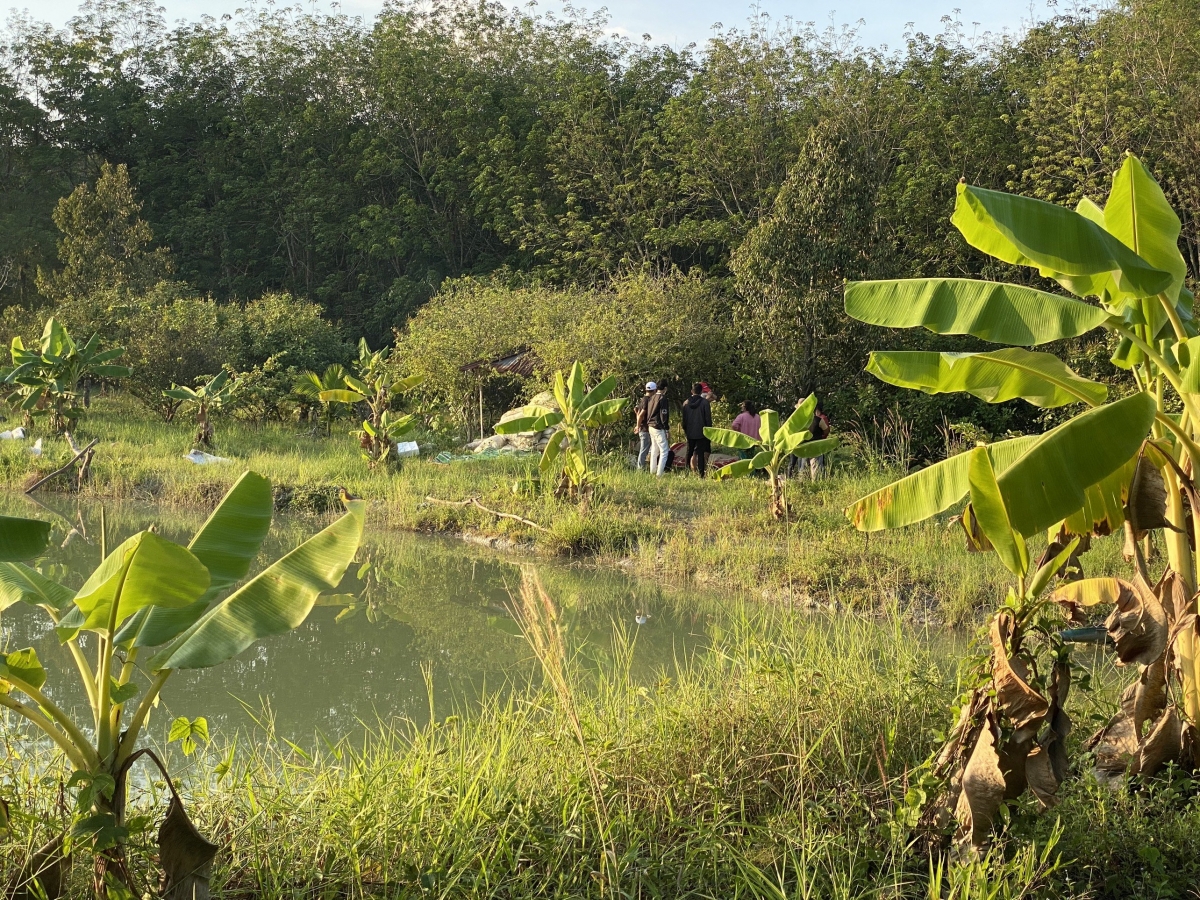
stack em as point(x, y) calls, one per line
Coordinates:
point(22, 538)
point(995, 377)
point(931, 490)
point(992, 515)
point(274, 602)
point(1050, 481)
point(21, 584)
point(226, 545)
point(725, 437)
point(996, 312)
point(1057, 241)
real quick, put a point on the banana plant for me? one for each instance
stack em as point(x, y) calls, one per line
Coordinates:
point(45, 380)
point(310, 386)
point(206, 398)
point(1097, 473)
point(375, 384)
point(152, 608)
point(579, 410)
point(776, 443)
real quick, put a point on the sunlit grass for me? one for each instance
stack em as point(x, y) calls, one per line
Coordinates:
point(718, 534)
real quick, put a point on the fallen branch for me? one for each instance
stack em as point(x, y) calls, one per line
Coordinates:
point(473, 501)
point(37, 484)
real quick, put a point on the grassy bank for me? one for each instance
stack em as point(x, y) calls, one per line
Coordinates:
point(714, 533)
point(771, 767)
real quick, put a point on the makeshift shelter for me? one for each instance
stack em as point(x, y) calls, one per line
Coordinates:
point(519, 363)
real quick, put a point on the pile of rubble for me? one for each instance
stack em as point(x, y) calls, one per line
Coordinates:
point(526, 442)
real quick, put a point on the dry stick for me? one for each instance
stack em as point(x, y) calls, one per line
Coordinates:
point(473, 501)
point(37, 484)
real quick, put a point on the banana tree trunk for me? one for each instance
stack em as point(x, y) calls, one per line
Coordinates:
point(778, 501)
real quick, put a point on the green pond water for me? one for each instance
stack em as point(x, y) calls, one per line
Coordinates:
point(428, 626)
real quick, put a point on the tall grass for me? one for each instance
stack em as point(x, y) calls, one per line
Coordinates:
point(767, 767)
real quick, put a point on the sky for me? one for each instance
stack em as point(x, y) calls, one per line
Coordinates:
point(680, 22)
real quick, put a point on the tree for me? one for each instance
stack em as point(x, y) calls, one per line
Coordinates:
point(105, 243)
point(375, 385)
point(821, 230)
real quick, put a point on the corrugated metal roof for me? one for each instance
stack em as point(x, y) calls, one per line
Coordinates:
point(520, 362)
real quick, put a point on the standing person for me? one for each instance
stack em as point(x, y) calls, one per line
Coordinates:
point(697, 415)
point(641, 427)
point(658, 421)
point(820, 431)
point(747, 422)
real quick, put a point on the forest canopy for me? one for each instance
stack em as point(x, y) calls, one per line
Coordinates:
point(357, 167)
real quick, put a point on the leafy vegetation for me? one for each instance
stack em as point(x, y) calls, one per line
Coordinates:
point(375, 385)
point(579, 409)
point(776, 445)
point(204, 399)
point(1095, 474)
point(152, 596)
point(46, 381)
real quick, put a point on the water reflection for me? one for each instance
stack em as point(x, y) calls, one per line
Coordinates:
point(419, 622)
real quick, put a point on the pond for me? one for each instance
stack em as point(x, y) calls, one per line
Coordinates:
point(425, 629)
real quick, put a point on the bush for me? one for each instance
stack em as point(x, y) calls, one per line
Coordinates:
point(673, 329)
point(292, 331)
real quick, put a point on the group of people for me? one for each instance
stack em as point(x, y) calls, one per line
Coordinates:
point(652, 426)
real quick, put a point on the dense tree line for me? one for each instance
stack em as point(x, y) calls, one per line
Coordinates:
point(358, 165)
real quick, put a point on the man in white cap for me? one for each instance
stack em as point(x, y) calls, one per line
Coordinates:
point(641, 425)
point(657, 419)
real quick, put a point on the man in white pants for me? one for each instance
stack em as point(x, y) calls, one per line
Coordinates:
point(657, 418)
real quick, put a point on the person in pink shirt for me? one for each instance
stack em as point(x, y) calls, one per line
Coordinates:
point(747, 421)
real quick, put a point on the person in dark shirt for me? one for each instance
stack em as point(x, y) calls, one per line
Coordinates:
point(697, 415)
point(658, 421)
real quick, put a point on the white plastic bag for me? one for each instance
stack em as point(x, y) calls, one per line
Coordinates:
point(200, 458)
point(406, 449)
point(17, 434)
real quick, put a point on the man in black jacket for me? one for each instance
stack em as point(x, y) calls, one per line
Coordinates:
point(658, 421)
point(697, 415)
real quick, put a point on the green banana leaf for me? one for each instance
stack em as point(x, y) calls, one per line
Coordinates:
point(991, 514)
point(341, 396)
point(1050, 481)
point(931, 490)
point(25, 665)
point(724, 437)
point(1103, 510)
point(1138, 214)
point(277, 600)
point(575, 389)
point(1058, 242)
point(996, 376)
point(145, 570)
point(22, 538)
point(529, 424)
point(602, 412)
point(553, 449)
point(809, 449)
point(599, 392)
point(768, 424)
point(762, 459)
point(1187, 353)
point(226, 544)
point(736, 469)
point(801, 418)
point(996, 312)
point(404, 385)
point(21, 584)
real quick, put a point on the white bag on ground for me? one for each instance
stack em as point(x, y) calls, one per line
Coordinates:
point(17, 434)
point(406, 449)
point(200, 458)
